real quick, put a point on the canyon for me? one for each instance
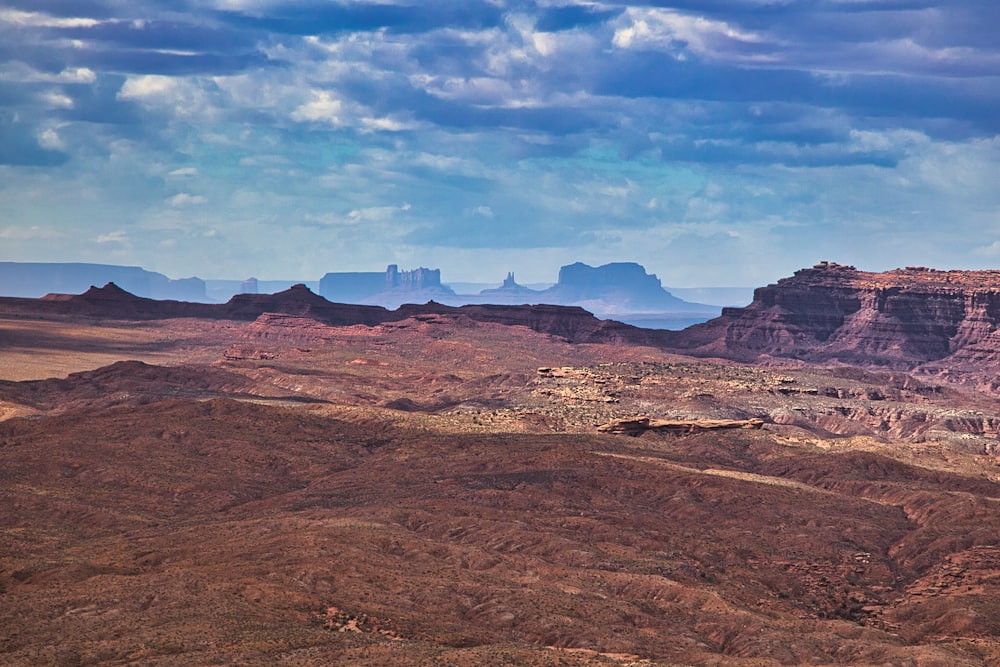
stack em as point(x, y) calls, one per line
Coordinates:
point(811, 480)
point(920, 320)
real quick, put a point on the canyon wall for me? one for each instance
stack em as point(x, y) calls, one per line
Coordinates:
point(938, 322)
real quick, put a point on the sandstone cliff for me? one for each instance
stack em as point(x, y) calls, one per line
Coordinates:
point(940, 322)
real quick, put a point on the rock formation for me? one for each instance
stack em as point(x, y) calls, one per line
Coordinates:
point(511, 292)
point(27, 279)
point(638, 425)
point(621, 287)
point(608, 290)
point(941, 322)
point(111, 302)
point(390, 288)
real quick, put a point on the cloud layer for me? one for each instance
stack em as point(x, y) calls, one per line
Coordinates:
point(717, 142)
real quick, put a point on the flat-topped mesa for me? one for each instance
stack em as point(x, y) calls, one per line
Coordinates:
point(898, 319)
point(911, 277)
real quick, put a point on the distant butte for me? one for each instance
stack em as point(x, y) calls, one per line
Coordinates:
point(944, 324)
point(282, 480)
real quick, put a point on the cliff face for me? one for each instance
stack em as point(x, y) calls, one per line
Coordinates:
point(907, 319)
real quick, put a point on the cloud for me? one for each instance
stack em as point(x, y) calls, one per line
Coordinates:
point(184, 98)
point(148, 86)
point(21, 72)
point(42, 20)
point(19, 148)
point(992, 250)
point(676, 32)
point(537, 128)
point(51, 140)
point(184, 199)
point(117, 236)
point(321, 107)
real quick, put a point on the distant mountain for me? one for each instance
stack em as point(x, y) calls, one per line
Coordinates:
point(390, 288)
point(510, 292)
point(616, 288)
point(621, 290)
point(36, 279)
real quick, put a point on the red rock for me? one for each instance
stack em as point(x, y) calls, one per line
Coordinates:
point(939, 322)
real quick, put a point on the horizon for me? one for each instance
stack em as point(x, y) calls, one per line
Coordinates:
point(717, 144)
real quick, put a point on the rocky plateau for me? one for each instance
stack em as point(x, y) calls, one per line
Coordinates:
point(928, 322)
point(279, 480)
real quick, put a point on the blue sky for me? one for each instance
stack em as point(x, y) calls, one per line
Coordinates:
point(717, 142)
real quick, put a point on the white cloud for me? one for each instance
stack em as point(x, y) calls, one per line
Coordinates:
point(386, 124)
point(113, 237)
point(668, 30)
point(21, 72)
point(321, 108)
point(57, 100)
point(374, 213)
point(78, 75)
point(40, 20)
point(182, 96)
point(366, 215)
point(184, 199)
point(148, 85)
point(50, 139)
point(184, 171)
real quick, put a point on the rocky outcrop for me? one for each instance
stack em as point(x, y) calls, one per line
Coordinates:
point(510, 292)
point(638, 425)
point(940, 322)
point(573, 324)
point(389, 289)
point(620, 287)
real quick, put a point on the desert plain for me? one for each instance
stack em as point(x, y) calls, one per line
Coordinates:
point(438, 489)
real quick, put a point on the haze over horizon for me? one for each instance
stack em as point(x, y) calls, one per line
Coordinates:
point(716, 143)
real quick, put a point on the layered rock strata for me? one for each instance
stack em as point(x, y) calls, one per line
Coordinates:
point(936, 322)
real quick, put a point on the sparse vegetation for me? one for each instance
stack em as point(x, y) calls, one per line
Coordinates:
point(424, 494)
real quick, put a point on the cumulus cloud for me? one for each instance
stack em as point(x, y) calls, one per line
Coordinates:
point(321, 107)
point(49, 138)
point(564, 124)
point(673, 31)
point(148, 86)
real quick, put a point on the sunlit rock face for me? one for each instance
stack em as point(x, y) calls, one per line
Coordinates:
point(913, 318)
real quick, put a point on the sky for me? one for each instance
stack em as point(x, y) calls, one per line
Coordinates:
point(716, 142)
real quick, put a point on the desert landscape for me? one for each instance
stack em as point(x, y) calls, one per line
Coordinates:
point(811, 480)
